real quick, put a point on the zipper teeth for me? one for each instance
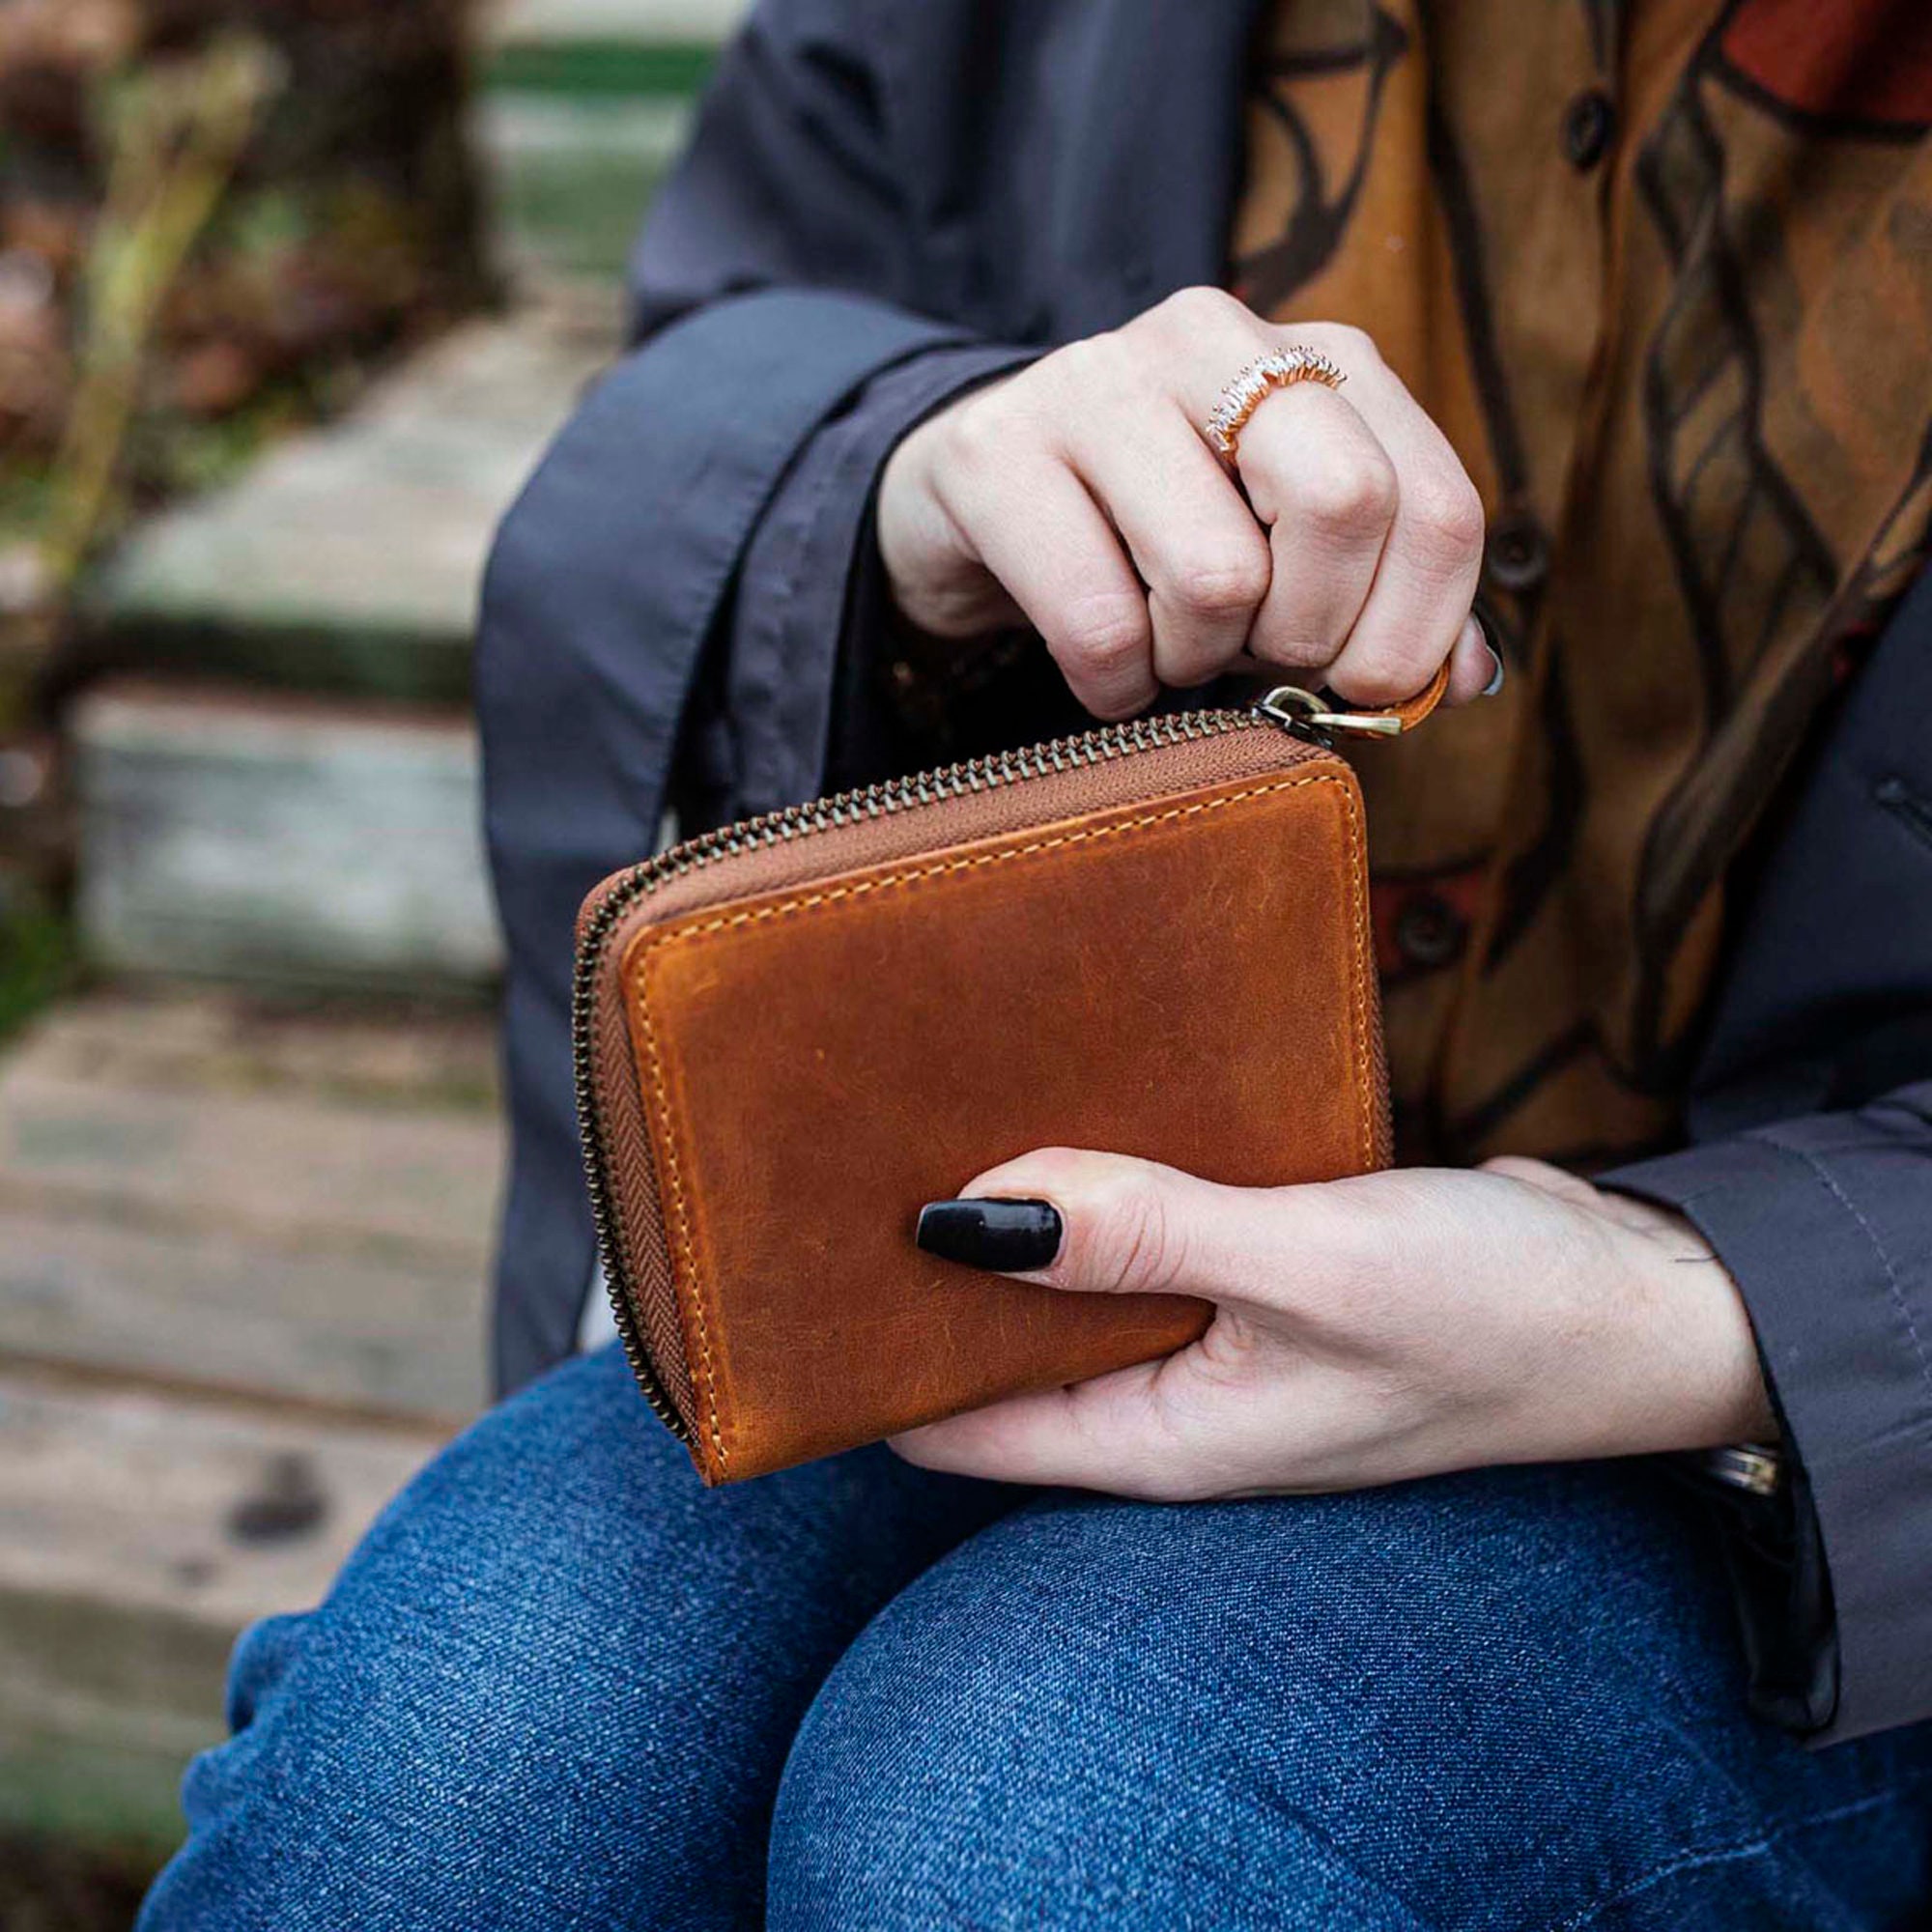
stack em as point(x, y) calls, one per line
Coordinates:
point(775, 828)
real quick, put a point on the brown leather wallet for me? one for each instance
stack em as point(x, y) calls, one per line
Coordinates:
point(793, 1032)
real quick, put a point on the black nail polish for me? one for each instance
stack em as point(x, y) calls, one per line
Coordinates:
point(1007, 1236)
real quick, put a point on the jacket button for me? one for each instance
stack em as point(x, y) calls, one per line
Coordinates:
point(1429, 932)
point(1518, 556)
point(1588, 125)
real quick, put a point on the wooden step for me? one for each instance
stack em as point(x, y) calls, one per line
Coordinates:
point(243, 1249)
point(201, 1192)
point(583, 105)
point(425, 1058)
point(581, 46)
point(139, 1534)
point(280, 839)
point(640, 23)
point(349, 559)
point(220, 1312)
point(570, 178)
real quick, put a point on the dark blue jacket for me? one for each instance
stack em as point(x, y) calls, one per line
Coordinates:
point(885, 203)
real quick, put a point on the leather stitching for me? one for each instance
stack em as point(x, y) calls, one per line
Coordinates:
point(686, 935)
point(661, 1102)
point(1359, 987)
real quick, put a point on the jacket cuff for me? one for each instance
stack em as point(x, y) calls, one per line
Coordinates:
point(805, 600)
point(1849, 1373)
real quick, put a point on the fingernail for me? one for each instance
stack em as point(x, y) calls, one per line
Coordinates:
point(1495, 683)
point(1007, 1236)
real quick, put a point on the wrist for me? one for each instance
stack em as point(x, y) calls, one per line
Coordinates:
point(1697, 1335)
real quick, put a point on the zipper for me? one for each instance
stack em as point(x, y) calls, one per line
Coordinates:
point(1101, 746)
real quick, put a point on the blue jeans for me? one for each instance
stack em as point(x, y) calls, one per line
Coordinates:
point(561, 1686)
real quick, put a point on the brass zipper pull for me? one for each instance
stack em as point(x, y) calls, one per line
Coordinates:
point(1304, 714)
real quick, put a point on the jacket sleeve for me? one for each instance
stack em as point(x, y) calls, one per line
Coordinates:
point(1810, 1174)
point(1825, 1222)
point(779, 350)
point(790, 187)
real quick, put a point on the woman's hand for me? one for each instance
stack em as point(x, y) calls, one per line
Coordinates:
point(1369, 1330)
point(1081, 497)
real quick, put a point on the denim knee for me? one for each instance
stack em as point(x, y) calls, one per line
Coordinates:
point(1037, 1733)
point(463, 1731)
point(1492, 1700)
point(554, 1686)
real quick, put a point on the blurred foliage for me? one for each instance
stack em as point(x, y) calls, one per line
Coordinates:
point(175, 135)
point(36, 957)
point(216, 217)
point(346, 222)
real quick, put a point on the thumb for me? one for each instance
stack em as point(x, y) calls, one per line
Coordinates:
point(1099, 1223)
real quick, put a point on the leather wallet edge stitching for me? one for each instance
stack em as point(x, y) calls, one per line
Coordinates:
point(667, 1129)
point(1358, 927)
point(656, 942)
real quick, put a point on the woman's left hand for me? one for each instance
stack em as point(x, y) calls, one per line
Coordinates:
point(1368, 1330)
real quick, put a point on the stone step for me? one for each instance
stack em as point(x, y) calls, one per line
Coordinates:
point(349, 559)
point(140, 1532)
point(199, 1190)
point(280, 839)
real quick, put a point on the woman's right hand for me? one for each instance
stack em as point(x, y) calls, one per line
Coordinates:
point(1081, 497)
